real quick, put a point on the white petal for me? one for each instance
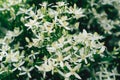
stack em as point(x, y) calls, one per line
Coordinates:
point(61, 64)
point(29, 75)
point(68, 74)
point(77, 76)
point(61, 73)
point(68, 66)
point(22, 73)
point(77, 67)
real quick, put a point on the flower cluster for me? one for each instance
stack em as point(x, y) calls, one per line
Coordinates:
point(105, 74)
point(104, 16)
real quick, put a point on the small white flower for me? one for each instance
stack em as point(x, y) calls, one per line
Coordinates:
point(63, 22)
point(3, 68)
point(47, 66)
point(54, 47)
point(77, 12)
point(18, 65)
point(26, 71)
point(24, 11)
point(12, 34)
point(83, 55)
point(33, 54)
point(48, 27)
point(60, 59)
point(12, 56)
point(44, 4)
point(60, 4)
point(73, 71)
point(32, 23)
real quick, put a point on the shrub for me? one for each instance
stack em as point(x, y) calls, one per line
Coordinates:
point(62, 40)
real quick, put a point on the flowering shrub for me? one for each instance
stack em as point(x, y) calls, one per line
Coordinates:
point(46, 41)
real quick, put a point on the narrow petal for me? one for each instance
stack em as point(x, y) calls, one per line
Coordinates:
point(77, 76)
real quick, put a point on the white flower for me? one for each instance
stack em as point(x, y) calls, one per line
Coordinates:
point(105, 74)
point(63, 22)
point(2, 55)
point(83, 55)
point(39, 14)
point(60, 58)
point(77, 12)
point(26, 71)
point(47, 66)
point(11, 34)
point(60, 4)
point(81, 37)
point(53, 47)
point(96, 37)
point(53, 14)
point(3, 68)
point(33, 54)
point(66, 49)
point(32, 23)
point(24, 11)
point(44, 4)
point(18, 65)
point(48, 27)
point(5, 47)
point(72, 72)
point(33, 15)
point(57, 45)
point(7, 5)
point(14, 2)
point(12, 56)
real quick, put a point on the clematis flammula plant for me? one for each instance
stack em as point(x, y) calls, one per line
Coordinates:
point(49, 28)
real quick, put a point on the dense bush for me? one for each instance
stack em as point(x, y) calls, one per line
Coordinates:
point(59, 40)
